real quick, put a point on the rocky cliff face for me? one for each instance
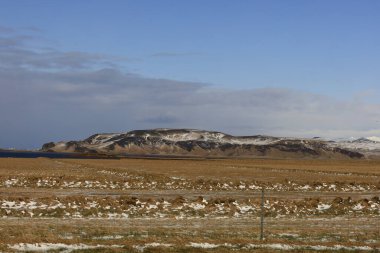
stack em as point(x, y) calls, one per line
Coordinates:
point(201, 143)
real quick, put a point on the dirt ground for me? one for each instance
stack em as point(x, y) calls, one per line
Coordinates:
point(189, 205)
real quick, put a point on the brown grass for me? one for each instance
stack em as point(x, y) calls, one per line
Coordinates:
point(268, 170)
point(345, 229)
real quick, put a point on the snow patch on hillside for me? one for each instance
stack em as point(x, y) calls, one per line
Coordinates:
point(374, 138)
point(102, 138)
point(362, 144)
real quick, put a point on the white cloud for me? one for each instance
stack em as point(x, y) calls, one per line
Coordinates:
point(60, 95)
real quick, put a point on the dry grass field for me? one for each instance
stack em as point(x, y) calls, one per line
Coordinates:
point(189, 205)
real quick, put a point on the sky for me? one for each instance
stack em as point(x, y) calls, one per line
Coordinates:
point(69, 69)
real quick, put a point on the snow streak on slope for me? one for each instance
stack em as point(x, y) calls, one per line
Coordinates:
point(198, 135)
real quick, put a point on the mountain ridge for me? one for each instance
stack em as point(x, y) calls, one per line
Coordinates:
point(190, 142)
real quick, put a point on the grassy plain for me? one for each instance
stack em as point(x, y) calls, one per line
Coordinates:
point(189, 205)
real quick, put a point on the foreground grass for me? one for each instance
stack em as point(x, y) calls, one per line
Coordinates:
point(75, 202)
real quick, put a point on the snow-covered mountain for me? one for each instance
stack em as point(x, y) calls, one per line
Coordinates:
point(373, 138)
point(201, 143)
point(364, 144)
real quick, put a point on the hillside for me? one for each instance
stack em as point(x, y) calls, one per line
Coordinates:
point(201, 143)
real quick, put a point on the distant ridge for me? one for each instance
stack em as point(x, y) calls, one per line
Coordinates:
point(193, 142)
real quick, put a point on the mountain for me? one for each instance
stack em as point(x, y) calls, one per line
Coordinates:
point(370, 146)
point(194, 142)
point(374, 139)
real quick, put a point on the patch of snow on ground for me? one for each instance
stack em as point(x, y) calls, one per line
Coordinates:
point(197, 206)
point(244, 209)
point(322, 207)
point(43, 247)
point(279, 246)
point(288, 235)
point(108, 237)
point(204, 245)
point(151, 245)
point(305, 187)
point(358, 207)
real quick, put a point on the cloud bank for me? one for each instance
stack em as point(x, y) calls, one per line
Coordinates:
point(48, 95)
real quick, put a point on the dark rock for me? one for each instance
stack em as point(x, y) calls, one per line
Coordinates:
point(48, 146)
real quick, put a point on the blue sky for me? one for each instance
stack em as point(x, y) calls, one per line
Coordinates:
point(326, 50)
